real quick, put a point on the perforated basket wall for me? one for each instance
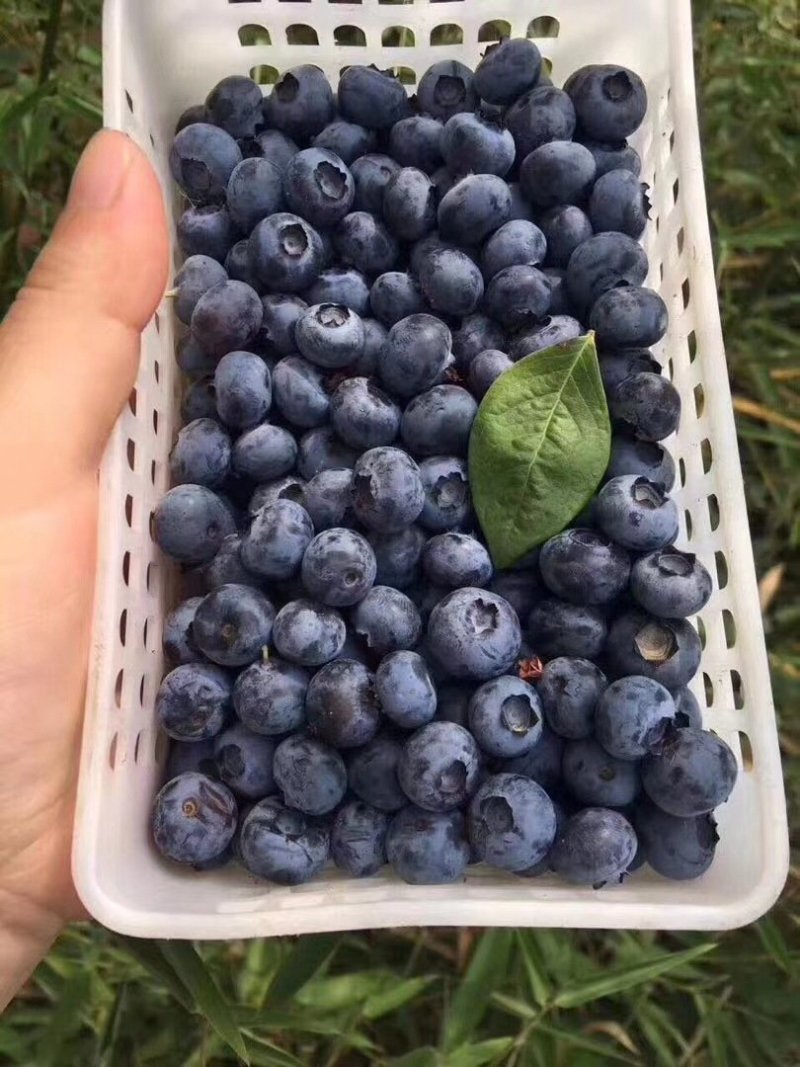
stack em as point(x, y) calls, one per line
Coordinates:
point(160, 57)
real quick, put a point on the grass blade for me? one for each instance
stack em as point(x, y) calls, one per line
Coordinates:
point(309, 955)
point(148, 956)
point(380, 1004)
point(531, 958)
point(481, 1053)
point(489, 961)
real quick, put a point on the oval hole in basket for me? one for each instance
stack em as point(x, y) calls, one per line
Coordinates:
point(713, 511)
point(543, 26)
point(155, 418)
point(495, 30)
point(123, 626)
point(130, 451)
point(132, 401)
point(680, 239)
point(252, 34)
point(682, 472)
point(118, 688)
point(738, 690)
point(126, 567)
point(691, 342)
point(136, 744)
point(145, 628)
point(398, 37)
point(400, 2)
point(672, 141)
point(157, 370)
point(658, 223)
point(344, 1)
point(729, 625)
point(721, 564)
point(661, 272)
point(160, 747)
point(447, 33)
point(157, 321)
point(687, 515)
point(747, 752)
point(142, 685)
point(706, 454)
point(701, 632)
point(264, 74)
point(699, 400)
point(405, 75)
point(129, 509)
point(686, 292)
point(670, 369)
point(151, 526)
point(547, 65)
point(301, 34)
point(152, 140)
point(676, 188)
point(112, 753)
point(129, 101)
point(349, 36)
point(153, 468)
point(708, 690)
point(151, 576)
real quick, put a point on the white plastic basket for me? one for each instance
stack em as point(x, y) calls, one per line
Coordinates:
point(160, 57)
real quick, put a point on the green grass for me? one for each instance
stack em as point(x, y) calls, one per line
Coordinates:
point(420, 998)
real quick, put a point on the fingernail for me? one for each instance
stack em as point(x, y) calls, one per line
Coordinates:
point(100, 175)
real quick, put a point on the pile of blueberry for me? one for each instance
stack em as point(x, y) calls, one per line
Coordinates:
point(354, 680)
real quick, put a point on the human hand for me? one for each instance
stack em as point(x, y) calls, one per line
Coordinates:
point(69, 350)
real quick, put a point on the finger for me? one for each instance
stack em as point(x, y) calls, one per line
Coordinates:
point(69, 346)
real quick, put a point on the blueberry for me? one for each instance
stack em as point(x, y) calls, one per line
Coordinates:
point(388, 620)
point(274, 545)
point(508, 69)
point(207, 230)
point(177, 639)
point(397, 555)
point(595, 777)
point(666, 650)
point(341, 704)
point(426, 596)
point(289, 487)
point(473, 633)
point(239, 268)
point(255, 190)
point(338, 567)
point(542, 763)
point(388, 493)
point(629, 317)
point(193, 701)
point(438, 768)
point(641, 459)
point(347, 140)
point(539, 116)
point(330, 335)
point(595, 846)
point(194, 818)
point(409, 204)
point(615, 367)
point(517, 295)
point(233, 624)
point(363, 241)
point(610, 101)
point(584, 567)
point(244, 761)
point(300, 393)
point(269, 696)
point(603, 262)
point(307, 633)
point(551, 330)
point(282, 845)
point(371, 97)
point(274, 146)
point(505, 716)
point(201, 454)
point(375, 334)
point(363, 415)
point(201, 159)
point(569, 689)
point(619, 202)
point(328, 497)
point(226, 317)
point(431, 242)
point(405, 690)
point(670, 584)
point(358, 839)
point(678, 848)
point(322, 450)
point(474, 144)
point(516, 243)
point(632, 717)
point(197, 756)
point(451, 282)
point(235, 104)
point(226, 568)
point(427, 848)
point(190, 522)
point(415, 142)
point(474, 208)
point(519, 588)
point(485, 369)
point(243, 389)
point(301, 103)
point(439, 421)
point(687, 709)
point(647, 405)
point(445, 89)
point(310, 774)
point(281, 312)
point(476, 333)
point(318, 184)
point(564, 227)
point(521, 210)
point(447, 498)
point(636, 513)
point(199, 401)
point(371, 174)
point(557, 628)
point(285, 252)
point(193, 113)
point(372, 774)
point(618, 155)
point(456, 560)
point(511, 822)
point(394, 296)
point(558, 172)
point(264, 453)
point(197, 275)
point(341, 285)
point(689, 773)
point(415, 354)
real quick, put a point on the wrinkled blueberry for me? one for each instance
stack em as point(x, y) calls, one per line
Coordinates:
point(194, 818)
point(569, 689)
point(327, 498)
point(281, 844)
point(447, 498)
point(438, 768)
point(511, 822)
point(193, 701)
point(358, 839)
point(371, 174)
point(363, 415)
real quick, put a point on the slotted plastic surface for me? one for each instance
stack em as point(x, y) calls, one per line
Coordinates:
point(159, 58)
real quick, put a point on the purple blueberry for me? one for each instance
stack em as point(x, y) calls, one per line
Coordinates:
point(428, 848)
point(636, 513)
point(193, 701)
point(190, 523)
point(505, 716)
point(666, 650)
point(473, 633)
point(387, 619)
point(269, 696)
point(570, 688)
point(341, 704)
point(338, 567)
point(307, 633)
point(233, 625)
point(438, 768)
point(358, 839)
point(278, 537)
point(281, 844)
point(194, 819)
point(511, 822)
point(595, 846)
point(372, 773)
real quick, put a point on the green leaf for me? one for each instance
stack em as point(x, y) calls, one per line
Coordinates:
point(531, 958)
point(421, 1057)
point(489, 961)
point(308, 956)
point(617, 981)
point(482, 1053)
point(191, 970)
point(395, 996)
point(539, 447)
point(573, 1039)
point(66, 1019)
point(345, 990)
point(147, 955)
point(772, 940)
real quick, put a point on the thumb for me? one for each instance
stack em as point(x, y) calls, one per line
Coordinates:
point(69, 346)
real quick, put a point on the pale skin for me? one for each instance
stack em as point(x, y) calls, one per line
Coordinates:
point(69, 351)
